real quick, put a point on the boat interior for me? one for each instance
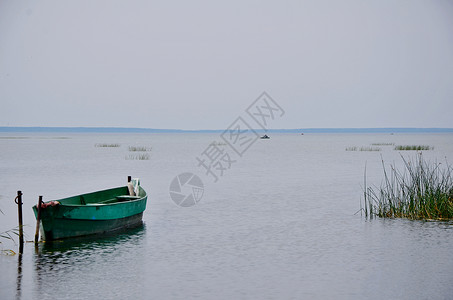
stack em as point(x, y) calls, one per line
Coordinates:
point(115, 195)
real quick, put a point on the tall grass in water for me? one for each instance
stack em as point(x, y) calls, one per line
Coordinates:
point(422, 191)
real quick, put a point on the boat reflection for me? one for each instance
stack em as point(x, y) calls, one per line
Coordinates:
point(93, 241)
point(56, 261)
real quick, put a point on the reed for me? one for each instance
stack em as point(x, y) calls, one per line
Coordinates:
point(413, 147)
point(107, 145)
point(8, 235)
point(422, 191)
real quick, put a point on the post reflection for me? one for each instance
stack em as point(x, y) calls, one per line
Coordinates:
point(19, 273)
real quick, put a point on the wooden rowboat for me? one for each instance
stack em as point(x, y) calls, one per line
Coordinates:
point(92, 213)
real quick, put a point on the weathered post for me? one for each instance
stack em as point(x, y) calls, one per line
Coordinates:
point(38, 219)
point(18, 201)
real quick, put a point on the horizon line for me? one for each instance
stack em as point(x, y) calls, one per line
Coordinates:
point(107, 129)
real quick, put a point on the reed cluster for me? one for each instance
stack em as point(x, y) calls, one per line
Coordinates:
point(107, 145)
point(144, 156)
point(383, 144)
point(363, 149)
point(370, 149)
point(413, 147)
point(422, 190)
point(139, 148)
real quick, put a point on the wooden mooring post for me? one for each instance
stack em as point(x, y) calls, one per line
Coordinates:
point(38, 219)
point(18, 201)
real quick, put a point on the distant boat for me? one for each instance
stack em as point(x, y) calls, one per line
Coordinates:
point(93, 213)
point(302, 133)
point(265, 137)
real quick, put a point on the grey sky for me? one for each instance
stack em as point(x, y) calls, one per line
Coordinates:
point(199, 64)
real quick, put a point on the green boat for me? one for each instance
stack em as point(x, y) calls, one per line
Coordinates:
point(93, 213)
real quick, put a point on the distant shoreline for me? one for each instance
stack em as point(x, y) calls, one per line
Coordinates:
point(151, 130)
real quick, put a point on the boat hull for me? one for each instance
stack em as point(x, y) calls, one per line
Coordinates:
point(94, 213)
point(68, 228)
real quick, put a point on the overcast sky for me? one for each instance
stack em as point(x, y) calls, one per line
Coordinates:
point(199, 64)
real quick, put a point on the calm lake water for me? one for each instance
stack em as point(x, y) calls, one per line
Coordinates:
point(280, 223)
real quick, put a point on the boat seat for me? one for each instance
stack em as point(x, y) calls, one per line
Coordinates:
point(113, 200)
point(127, 198)
point(121, 198)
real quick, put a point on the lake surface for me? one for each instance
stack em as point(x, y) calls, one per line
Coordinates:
point(280, 222)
